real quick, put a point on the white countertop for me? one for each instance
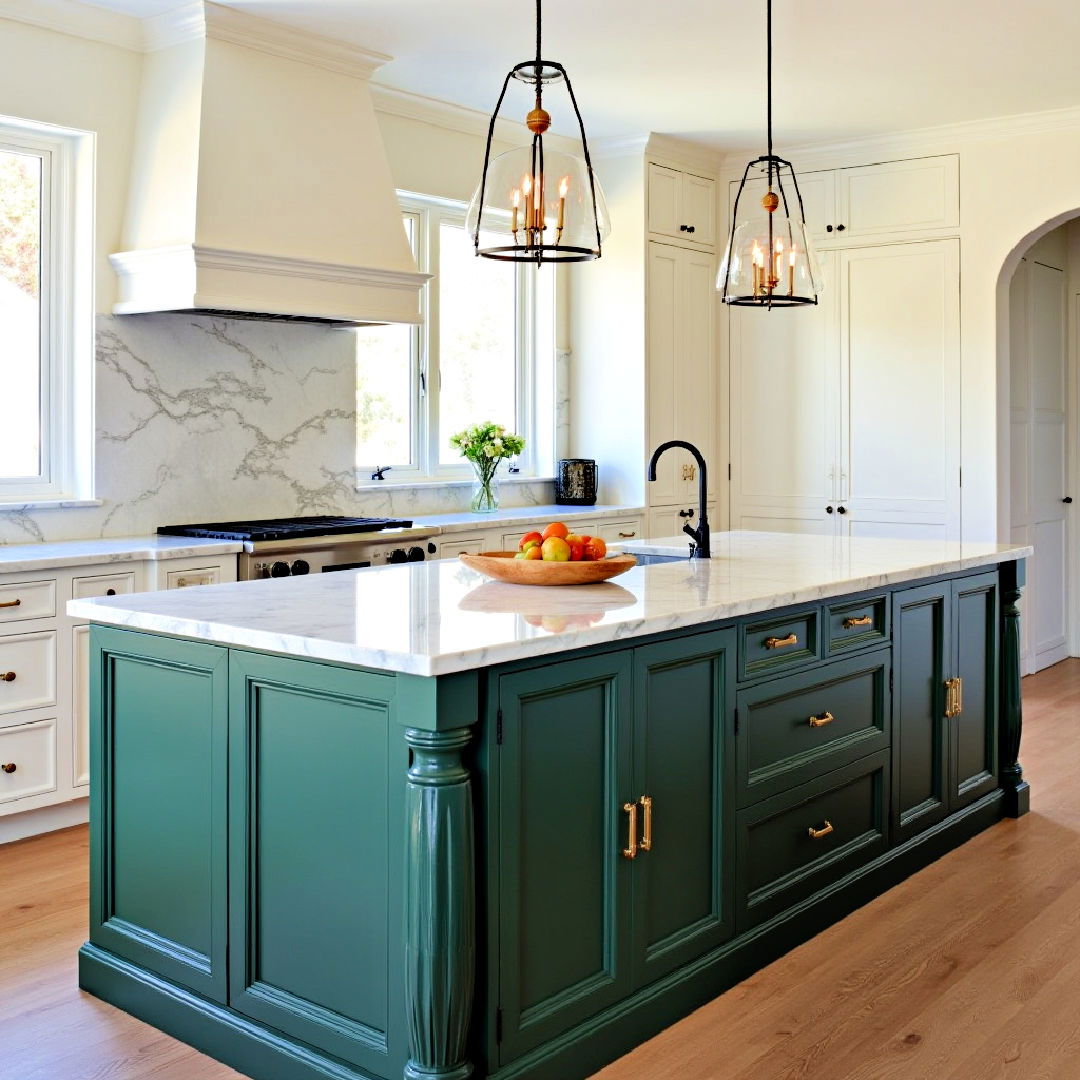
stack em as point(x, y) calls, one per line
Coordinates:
point(521, 515)
point(437, 617)
point(18, 558)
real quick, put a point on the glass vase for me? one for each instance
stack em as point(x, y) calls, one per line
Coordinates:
point(485, 498)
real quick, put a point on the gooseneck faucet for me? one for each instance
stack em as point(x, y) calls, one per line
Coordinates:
point(699, 549)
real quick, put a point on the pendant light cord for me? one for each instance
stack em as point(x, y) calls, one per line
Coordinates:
point(538, 48)
point(768, 80)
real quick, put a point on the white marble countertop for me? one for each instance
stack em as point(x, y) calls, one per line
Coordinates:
point(19, 558)
point(522, 515)
point(437, 617)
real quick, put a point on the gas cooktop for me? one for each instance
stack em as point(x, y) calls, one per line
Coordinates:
point(285, 528)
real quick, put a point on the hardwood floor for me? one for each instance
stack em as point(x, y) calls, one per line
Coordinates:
point(970, 970)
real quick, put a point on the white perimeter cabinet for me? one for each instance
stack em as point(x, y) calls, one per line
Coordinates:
point(845, 417)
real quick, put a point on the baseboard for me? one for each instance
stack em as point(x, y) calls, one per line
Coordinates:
point(43, 820)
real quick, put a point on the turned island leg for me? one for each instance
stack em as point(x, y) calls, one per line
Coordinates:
point(1016, 788)
point(440, 916)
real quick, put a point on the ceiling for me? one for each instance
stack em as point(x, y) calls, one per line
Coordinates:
point(695, 68)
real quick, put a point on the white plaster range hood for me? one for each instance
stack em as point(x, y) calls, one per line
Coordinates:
point(259, 183)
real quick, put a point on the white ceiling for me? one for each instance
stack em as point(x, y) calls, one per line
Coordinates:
point(695, 68)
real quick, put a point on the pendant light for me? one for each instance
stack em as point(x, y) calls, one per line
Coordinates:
point(534, 204)
point(769, 260)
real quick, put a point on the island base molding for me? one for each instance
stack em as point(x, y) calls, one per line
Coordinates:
point(261, 1052)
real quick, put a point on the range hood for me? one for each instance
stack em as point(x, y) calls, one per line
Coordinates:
point(259, 184)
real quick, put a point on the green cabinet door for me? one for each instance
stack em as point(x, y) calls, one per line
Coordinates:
point(564, 768)
point(922, 653)
point(973, 766)
point(316, 797)
point(683, 764)
point(158, 893)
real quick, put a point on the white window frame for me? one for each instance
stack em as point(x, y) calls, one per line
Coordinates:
point(67, 313)
point(428, 213)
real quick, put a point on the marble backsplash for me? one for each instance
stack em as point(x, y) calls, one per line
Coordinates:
point(203, 419)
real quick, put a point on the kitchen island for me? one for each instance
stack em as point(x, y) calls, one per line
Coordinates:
point(408, 822)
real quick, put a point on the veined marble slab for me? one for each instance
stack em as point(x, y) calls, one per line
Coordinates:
point(438, 617)
point(522, 515)
point(17, 558)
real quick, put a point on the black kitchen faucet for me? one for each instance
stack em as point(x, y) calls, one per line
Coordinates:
point(699, 548)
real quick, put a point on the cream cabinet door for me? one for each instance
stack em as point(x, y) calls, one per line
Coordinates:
point(899, 197)
point(664, 201)
point(900, 381)
point(818, 191)
point(785, 389)
point(698, 209)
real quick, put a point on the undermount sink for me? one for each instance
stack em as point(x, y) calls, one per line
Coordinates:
point(644, 559)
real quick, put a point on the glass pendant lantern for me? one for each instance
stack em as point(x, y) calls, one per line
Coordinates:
point(534, 204)
point(769, 261)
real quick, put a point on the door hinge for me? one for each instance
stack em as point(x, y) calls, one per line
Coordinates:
point(729, 470)
point(736, 721)
point(890, 681)
point(961, 472)
point(498, 1025)
point(499, 728)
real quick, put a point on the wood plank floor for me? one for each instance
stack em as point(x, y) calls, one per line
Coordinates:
point(970, 970)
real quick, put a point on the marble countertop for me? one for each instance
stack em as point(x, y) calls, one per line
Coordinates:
point(437, 617)
point(521, 515)
point(18, 558)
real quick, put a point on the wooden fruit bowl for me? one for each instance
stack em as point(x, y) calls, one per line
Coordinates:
point(502, 566)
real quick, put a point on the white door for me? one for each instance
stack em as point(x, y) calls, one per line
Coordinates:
point(784, 424)
point(900, 390)
point(664, 200)
point(699, 208)
point(898, 197)
point(817, 190)
point(663, 342)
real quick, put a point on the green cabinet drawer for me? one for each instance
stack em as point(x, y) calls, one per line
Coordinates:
point(794, 844)
point(778, 643)
point(857, 624)
point(794, 729)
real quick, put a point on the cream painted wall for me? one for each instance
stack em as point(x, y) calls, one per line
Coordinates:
point(73, 82)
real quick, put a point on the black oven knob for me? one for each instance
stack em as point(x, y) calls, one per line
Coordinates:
point(279, 569)
point(416, 554)
point(431, 548)
point(398, 555)
point(301, 566)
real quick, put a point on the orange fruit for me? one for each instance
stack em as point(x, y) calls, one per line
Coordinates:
point(595, 549)
point(557, 529)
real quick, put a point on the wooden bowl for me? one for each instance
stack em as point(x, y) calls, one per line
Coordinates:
point(502, 566)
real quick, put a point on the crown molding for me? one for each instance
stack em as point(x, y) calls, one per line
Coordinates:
point(76, 19)
point(663, 147)
point(613, 146)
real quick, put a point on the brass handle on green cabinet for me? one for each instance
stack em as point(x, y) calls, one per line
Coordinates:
point(10, 767)
point(781, 642)
point(861, 620)
point(11, 603)
point(820, 721)
point(954, 697)
point(7, 676)
point(646, 824)
point(817, 834)
point(630, 851)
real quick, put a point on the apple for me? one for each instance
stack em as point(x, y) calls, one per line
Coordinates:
point(529, 538)
point(531, 552)
point(555, 549)
point(595, 549)
point(556, 529)
point(577, 548)
point(530, 544)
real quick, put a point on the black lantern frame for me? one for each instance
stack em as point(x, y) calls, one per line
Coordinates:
point(539, 73)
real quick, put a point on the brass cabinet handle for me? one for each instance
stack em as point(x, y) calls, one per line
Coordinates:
point(10, 767)
point(646, 825)
point(7, 676)
point(820, 721)
point(861, 620)
point(11, 603)
point(630, 851)
point(781, 642)
point(817, 834)
point(954, 697)
point(629, 535)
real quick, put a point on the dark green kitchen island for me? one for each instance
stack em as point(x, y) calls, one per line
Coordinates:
point(403, 822)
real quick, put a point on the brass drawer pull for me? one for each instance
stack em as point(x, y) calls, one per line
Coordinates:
point(861, 620)
point(954, 697)
point(646, 825)
point(820, 721)
point(11, 603)
point(630, 851)
point(9, 768)
point(817, 834)
point(7, 676)
point(629, 535)
point(781, 642)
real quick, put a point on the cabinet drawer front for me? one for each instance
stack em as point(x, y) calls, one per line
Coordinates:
point(103, 585)
point(615, 532)
point(857, 624)
point(468, 545)
point(778, 643)
point(184, 579)
point(795, 844)
point(27, 671)
point(27, 600)
point(794, 729)
point(27, 760)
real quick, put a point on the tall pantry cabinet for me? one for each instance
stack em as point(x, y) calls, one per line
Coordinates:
point(845, 416)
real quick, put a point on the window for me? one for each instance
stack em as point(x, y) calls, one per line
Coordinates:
point(46, 312)
point(485, 351)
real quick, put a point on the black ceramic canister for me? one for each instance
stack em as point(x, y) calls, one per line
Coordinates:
point(575, 482)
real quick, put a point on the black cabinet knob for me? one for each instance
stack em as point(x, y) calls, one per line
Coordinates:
point(686, 513)
point(840, 228)
point(1067, 499)
point(684, 228)
point(110, 592)
point(690, 228)
point(841, 509)
point(828, 509)
point(828, 228)
point(9, 768)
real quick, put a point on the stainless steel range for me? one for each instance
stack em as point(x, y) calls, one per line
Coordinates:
point(289, 547)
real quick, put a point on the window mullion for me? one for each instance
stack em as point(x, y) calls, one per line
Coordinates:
point(434, 374)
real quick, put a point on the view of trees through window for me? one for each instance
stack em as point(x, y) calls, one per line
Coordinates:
point(20, 313)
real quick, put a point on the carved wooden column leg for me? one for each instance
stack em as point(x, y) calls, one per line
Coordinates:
point(1016, 788)
point(440, 916)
